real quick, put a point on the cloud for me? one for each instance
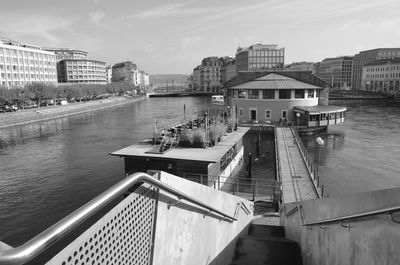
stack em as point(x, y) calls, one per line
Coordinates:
point(189, 42)
point(21, 25)
point(96, 16)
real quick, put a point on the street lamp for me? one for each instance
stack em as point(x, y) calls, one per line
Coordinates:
point(297, 116)
point(320, 142)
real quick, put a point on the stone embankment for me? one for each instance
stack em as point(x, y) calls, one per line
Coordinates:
point(39, 114)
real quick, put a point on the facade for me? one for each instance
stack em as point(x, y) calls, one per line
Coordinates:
point(210, 74)
point(66, 53)
point(228, 69)
point(108, 74)
point(126, 72)
point(21, 64)
point(260, 57)
point(196, 78)
point(302, 66)
point(271, 97)
point(365, 57)
point(144, 79)
point(336, 72)
point(382, 76)
point(82, 71)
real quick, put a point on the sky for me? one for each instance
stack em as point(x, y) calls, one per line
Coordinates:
point(172, 37)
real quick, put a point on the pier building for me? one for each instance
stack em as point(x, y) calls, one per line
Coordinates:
point(260, 57)
point(21, 64)
point(382, 76)
point(82, 71)
point(365, 57)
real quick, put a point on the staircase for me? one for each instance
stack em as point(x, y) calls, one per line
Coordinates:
point(266, 245)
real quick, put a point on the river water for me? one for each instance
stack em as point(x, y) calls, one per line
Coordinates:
point(51, 168)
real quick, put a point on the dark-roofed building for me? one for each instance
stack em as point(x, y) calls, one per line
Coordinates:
point(126, 72)
point(382, 76)
point(271, 96)
point(336, 72)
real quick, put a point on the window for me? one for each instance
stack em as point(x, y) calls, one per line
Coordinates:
point(310, 93)
point(284, 93)
point(284, 114)
point(241, 112)
point(268, 114)
point(268, 94)
point(253, 93)
point(299, 93)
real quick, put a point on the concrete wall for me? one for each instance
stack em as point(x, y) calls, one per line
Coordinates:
point(370, 240)
point(187, 235)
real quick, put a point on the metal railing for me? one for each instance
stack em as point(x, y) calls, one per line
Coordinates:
point(388, 210)
point(35, 246)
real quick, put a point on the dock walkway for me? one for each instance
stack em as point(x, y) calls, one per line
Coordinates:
point(297, 184)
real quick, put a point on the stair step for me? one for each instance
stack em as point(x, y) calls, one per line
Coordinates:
point(267, 230)
point(266, 251)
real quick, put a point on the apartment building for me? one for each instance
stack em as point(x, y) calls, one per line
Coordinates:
point(336, 72)
point(82, 71)
point(126, 72)
point(260, 57)
point(210, 76)
point(21, 64)
point(382, 76)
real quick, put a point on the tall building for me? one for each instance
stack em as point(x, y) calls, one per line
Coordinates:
point(21, 64)
point(382, 76)
point(260, 57)
point(302, 66)
point(108, 74)
point(82, 71)
point(66, 53)
point(144, 79)
point(126, 72)
point(228, 69)
point(196, 77)
point(365, 57)
point(336, 72)
point(210, 76)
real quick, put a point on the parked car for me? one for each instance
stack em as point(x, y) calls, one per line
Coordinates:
point(8, 108)
point(14, 107)
point(2, 109)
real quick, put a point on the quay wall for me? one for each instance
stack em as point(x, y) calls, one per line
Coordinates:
point(186, 234)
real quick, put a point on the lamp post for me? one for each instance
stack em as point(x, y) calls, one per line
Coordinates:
point(320, 142)
point(297, 116)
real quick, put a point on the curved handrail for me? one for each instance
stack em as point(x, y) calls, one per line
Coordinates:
point(39, 243)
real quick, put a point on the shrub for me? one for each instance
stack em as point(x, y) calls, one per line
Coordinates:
point(231, 124)
point(186, 139)
point(198, 137)
point(214, 133)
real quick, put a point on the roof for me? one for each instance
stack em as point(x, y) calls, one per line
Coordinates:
point(209, 155)
point(320, 109)
point(275, 81)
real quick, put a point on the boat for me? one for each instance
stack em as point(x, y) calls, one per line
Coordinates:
point(217, 100)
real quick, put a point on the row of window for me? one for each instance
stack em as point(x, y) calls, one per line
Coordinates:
point(26, 61)
point(15, 68)
point(387, 75)
point(268, 113)
point(387, 68)
point(26, 76)
point(79, 62)
point(85, 76)
point(26, 54)
point(267, 53)
point(270, 93)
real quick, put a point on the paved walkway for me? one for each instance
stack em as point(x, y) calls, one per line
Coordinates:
point(296, 181)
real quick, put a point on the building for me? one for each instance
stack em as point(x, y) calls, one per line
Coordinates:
point(302, 66)
point(108, 74)
point(210, 76)
point(126, 72)
point(197, 78)
point(336, 72)
point(82, 71)
point(21, 64)
point(365, 57)
point(66, 53)
point(144, 79)
point(282, 97)
point(228, 69)
point(260, 57)
point(382, 76)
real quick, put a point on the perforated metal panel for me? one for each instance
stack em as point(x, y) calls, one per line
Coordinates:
point(122, 236)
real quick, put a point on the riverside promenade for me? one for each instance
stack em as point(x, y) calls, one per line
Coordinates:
point(297, 183)
point(26, 116)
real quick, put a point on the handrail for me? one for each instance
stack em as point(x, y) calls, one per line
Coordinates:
point(353, 216)
point(36, 245)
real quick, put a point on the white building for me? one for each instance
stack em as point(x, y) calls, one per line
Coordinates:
point(109, 74)
point(21, 64)
point(144, 79)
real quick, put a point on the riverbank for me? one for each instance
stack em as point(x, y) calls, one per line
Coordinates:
point(40, 114)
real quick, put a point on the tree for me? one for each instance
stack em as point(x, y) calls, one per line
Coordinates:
point(40, 91)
